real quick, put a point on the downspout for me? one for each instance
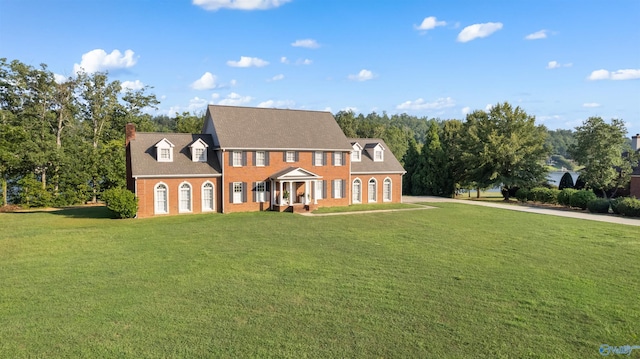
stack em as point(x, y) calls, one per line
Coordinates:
point(223, 187)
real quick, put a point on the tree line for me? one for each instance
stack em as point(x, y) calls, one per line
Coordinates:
point(62, 142)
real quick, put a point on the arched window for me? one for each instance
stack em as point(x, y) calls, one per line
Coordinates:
point(357, 191)
point(161, 194)
point(207, 197)
point(386, 190)
point(372, 190)
point(185, 197)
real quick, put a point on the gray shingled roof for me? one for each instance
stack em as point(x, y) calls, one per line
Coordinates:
point(143, 156)
point(267, 128)
point(367, 165)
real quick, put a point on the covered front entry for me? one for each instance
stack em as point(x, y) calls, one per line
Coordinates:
point(292, 190)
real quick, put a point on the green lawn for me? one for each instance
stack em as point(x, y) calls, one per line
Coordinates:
point(456, 281)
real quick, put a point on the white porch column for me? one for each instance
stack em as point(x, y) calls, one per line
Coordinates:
point(306, 192)
point(280, 196)
point(315, 191)
point(273, 195)
point(291, 194)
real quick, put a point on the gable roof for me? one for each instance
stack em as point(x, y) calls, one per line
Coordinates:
point(390, 164)
point(268, 128)
point(144, 161)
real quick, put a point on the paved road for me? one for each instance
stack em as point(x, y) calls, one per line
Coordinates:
point(512, 207)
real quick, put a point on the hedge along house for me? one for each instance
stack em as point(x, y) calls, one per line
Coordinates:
point(256, 159)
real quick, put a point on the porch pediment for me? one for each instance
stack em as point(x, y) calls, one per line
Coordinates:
point(294, 174)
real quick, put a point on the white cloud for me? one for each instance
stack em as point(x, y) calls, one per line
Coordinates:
point(308, 43)
point(488, 107)
point(214, 5)
point(476, 31)
point(542, 34)
point(304, 62)
point(626, 74)
point(233, 99)
point(363, 75)
point(205, 82)
point(277, 77)
point(99, 60)
point(350, 109)
point(59, 78)
point(591, 104)
point(430, 23)
point(233, 82)
point(246, 61)
point(466, 110)
point(277, 104)
point(421, 104)
point(556, 65)
point(132, 85)
point(284, 60)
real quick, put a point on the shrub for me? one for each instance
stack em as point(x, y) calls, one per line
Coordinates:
point(121, 201)
point(598, 205)
point(581, 198)
point(522, 195)
point(566, 181)
point(614, 204)
point(544, 195)
point(629, 207)
point(564, 196)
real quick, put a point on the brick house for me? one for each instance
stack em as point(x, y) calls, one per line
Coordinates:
point(257, 159)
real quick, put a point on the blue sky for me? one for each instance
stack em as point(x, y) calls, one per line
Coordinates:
point(561, 61)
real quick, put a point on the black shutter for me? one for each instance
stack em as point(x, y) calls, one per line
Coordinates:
point(244, 158)
point(344, 188)
point(267, 186)
point(254, 192)
point(297, 156)
point(230, 192)
point(244, 192)
point(324, 189)
point(343, 159)
point(324, 158)
point(230, 158)
point(333, 157)
point(284, 156)
point(266, 158)
point(333, 191)
point(253, 160)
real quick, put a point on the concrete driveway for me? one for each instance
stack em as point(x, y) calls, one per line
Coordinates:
point(515, 207)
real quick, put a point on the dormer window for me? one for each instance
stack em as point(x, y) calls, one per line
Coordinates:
point(356, 154)
point(378, 153)
point(164, 151)
point(199, 151)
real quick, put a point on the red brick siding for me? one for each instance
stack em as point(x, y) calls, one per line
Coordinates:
point(396, 187)
point(145, 193)
point(251, 173)
point(635, 186)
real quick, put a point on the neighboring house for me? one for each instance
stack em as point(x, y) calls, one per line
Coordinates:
point(256, 159)
point(634, 186)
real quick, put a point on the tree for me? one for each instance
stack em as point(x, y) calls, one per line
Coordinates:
point(507, 147)
point(599, 148)
point(432, 174)
point(411, 162)
point(566, 181)
point(188, 123)
point(452, 137)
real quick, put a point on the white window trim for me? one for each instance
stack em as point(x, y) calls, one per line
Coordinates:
point(375, 193)
point(337, 159)
point(155, 198)
point(375, 156)
point(180, 209)
point(233, 158)
point(293, 156)
point(354, 200)
point(233, 200)
point(390, 190)
point(264, 159)
point(199, 144)
point(164, 144)
point(261, 193)
point(213, 197)
point(334, 187)
point(318, 161)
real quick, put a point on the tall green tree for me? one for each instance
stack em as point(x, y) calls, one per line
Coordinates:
point(411, 162)
point(507, 148)
point(599, 148)
point(452, 138)
point(189, 123)
point(433, 169)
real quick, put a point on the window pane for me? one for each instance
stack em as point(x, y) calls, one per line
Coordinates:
point(185, 197)
point(260, 158)
point(161, 199)
point(337, 159)
point(207, 197)
point(237, 158)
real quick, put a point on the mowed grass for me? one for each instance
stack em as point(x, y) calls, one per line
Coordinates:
point(456, 281)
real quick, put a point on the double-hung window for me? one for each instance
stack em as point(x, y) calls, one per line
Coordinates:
point(337, 158)
point(318, 158)
point(260, 158)
point(386, 190)
point(290, 156)
point(185, 197)
point(237, 158)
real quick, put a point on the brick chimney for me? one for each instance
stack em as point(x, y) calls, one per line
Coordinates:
point(130, 133)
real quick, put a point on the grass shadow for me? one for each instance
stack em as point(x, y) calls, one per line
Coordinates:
point(76, 212)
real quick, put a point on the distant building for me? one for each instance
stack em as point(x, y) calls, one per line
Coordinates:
point(256, 159)
point(634, 186)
